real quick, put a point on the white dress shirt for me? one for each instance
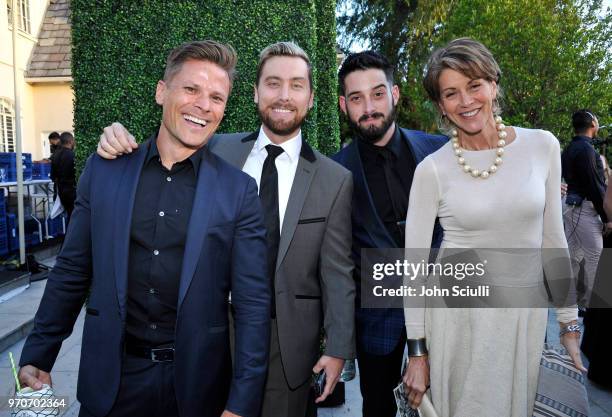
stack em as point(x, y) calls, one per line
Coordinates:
point(286, 165)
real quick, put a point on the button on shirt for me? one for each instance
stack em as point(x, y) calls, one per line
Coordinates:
point(583, 171)
point(160, 219)
point(390, 190)
point(286, 165)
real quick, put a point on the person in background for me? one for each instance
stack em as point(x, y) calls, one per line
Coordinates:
point(54, 143)
point(583, 215)
point(63, 173)
point(598, 315)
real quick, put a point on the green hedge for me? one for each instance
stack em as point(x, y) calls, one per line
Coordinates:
point(119, 51)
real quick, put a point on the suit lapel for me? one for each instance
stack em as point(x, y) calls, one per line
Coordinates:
point(204, 200)
point(415, 146)
point(237, 155)
point(306, 169)
point(364, 208)
point(124, 206)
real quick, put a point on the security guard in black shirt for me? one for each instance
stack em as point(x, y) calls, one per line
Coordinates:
point(583, 214)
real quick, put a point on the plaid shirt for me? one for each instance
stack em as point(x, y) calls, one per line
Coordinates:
point(378, 330)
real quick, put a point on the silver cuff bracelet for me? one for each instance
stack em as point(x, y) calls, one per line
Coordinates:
point(417, 347)
point(569, 329)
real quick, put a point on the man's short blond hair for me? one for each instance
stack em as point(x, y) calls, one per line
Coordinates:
point(289, 49)
point(211, 51)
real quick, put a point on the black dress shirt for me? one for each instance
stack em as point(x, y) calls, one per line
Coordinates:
point(160, 220)
point(389, 171)
point(62, 167)
point(584, 173)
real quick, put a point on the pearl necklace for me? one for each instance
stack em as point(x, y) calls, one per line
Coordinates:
point(484, 174)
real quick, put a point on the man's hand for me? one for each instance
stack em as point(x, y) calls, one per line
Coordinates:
point(115, 141)
point(332, 367)
point(563, 189)
point(229, 414)
point(31, 376)
point(416, 379)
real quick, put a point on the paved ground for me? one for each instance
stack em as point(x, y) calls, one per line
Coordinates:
point(64, 373)
point(66, 368)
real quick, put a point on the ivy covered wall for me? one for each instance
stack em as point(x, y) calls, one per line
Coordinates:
point(120, 47)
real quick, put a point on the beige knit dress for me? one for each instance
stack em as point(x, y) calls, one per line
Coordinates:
point(485, 362)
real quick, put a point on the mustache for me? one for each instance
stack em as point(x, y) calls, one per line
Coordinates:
point(284, 106)
point(373, 116)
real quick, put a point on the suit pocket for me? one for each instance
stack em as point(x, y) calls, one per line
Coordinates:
point(312, 220)
point(307, 297)
point(92, 311)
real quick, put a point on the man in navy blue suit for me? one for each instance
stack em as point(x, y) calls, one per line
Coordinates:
point(382, 158)
point(156, 242)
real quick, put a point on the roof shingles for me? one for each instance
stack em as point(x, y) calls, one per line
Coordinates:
point(52, 57)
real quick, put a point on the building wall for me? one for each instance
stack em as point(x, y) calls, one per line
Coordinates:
point(44, 107)
point(53, 109)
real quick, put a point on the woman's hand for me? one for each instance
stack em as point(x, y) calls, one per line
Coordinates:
point(416, 379)
point(571, 342)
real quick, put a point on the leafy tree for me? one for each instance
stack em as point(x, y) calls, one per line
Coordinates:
point(554, 54)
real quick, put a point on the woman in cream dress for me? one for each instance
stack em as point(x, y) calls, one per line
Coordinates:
point(491, 186)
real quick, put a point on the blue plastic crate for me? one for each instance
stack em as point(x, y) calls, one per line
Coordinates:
point(32, 235)
point(56, 226)
point(2, 205)
point(12, 236)
point(41, 170)
point(8, 166)
point(32, 239)
point(4, 246)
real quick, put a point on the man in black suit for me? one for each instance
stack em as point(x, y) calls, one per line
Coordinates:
point(382, 158)
point(156, 243)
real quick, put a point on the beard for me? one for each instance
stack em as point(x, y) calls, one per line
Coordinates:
point(281, 128)
point(372, 133)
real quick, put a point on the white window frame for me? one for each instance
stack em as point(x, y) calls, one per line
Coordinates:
point(23, 17)
point(7, 126)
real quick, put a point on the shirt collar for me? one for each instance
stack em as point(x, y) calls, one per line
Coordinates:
point(583, 137)
point(195, 159)
point(292, 147)
point(394, 145)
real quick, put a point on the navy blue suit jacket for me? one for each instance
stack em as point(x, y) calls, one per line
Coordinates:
point(225, 250)
point(378, 330)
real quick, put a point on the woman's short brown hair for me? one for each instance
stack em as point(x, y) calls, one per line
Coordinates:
point(465, 55)
point(212, 51)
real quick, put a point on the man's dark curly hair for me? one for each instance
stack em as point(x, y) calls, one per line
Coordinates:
point(361, 61)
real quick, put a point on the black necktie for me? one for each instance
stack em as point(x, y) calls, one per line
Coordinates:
point(268, 192)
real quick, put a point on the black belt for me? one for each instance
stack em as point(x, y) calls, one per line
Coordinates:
point(154, 354)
